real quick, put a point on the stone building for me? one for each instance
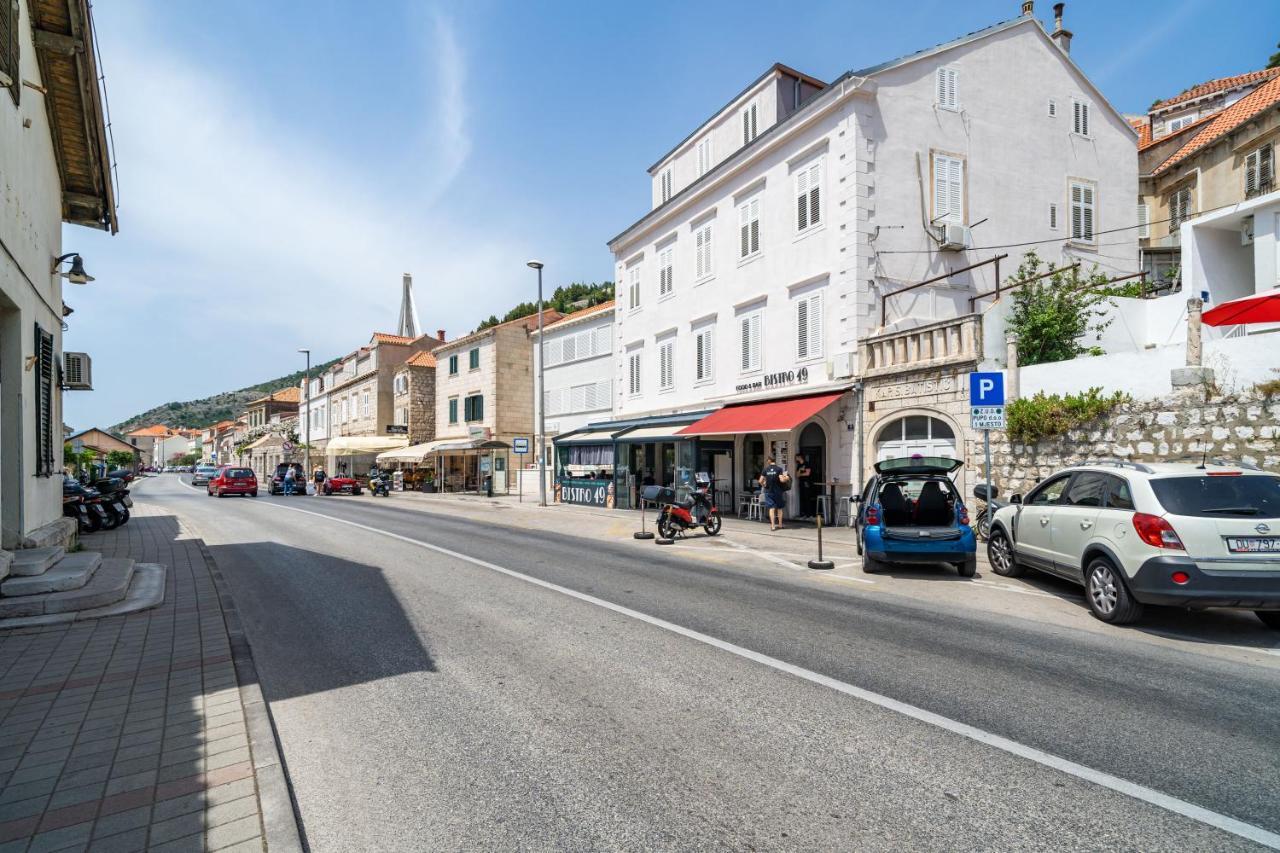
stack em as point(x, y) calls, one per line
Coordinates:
point(413, 398)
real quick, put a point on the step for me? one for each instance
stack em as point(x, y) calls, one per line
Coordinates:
point(146, 590)
point(108, 585)
point(6, 558)
point(35, 561)
point(71, 572)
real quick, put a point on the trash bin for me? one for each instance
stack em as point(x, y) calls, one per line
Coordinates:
point(488, 485)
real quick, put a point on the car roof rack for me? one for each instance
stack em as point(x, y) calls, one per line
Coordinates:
point(1119, 463)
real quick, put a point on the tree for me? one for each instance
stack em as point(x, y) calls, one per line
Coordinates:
point(565, 299)
point(1275, 59)
point(1053, 318)
point(120, 459)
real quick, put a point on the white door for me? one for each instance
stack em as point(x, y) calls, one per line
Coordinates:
point(914, 434)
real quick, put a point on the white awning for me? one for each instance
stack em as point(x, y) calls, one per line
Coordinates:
point(412, 453)
point(601, 436)
point(355, 445)
point(670, 432)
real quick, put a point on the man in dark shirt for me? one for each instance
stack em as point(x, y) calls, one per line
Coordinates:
point(772, 480)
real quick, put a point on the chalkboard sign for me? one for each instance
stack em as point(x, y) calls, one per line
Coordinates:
point(585, 492)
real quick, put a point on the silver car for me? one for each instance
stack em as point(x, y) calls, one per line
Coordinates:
point(203, 474)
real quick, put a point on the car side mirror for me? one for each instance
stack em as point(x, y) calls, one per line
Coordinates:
point(1016, 499)
point(857, 499)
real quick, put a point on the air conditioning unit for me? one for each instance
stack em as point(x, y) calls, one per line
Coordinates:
point(77, 371)
point(1246, 231)
point(954, 238)
point(841, 365)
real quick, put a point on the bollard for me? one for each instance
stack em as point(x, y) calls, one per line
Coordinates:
point(642, 533)
point(820, 563)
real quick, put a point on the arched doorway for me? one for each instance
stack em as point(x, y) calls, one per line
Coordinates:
point(813, 444)
point(752, 458)
point(913, 434)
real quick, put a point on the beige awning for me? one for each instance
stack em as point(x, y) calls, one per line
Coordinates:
point(355, 445)
point(669, 432)
point(412, 453)
point(258, 442)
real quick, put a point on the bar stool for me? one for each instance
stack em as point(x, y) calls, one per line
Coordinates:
point(820, 507)
point(844, 510)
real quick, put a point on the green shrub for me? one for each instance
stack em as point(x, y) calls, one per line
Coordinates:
point(1041, 416)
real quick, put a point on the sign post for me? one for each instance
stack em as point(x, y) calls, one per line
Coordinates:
point(520, 446)
point(986, 410)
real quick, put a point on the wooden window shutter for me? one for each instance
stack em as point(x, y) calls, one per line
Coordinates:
point(44, 379)
point(744, 222)
point(1088, 212)
point(745, 324)
point(802, 329)
point(755, 341)
point(802, 199)
point(1251, 172)
point(815, 332)
point(1266, 166)
point(746, 126)
point(1144, 221)
point(955, 189)
point(815, 193)
point(1053, 216)
point(940, 195)
point(698, 246)
point(10, 70)
point(755, 225)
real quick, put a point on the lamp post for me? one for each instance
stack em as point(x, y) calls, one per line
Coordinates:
point(541, 401)
point(306, 392)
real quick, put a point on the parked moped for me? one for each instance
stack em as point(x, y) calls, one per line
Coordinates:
point(696, 510)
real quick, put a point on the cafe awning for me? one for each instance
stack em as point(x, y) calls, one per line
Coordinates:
point(769, 416)
point(599, 436)
point(412, 453)
point(670, 432)
point(355, 445)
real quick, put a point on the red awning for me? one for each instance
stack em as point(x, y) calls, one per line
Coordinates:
point(1257, 308)
point(771, 416)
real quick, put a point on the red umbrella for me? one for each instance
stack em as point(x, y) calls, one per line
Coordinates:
point(1259, 308)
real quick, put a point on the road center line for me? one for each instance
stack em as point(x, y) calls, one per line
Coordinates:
point(1139, 792)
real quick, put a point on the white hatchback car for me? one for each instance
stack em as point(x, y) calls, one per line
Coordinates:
point(1131, 533)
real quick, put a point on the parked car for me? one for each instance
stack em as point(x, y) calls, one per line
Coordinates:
point(341, 485)
point(233, 480)
point(1178, 534)
point(203, 474)
point(277, 479)
point(911, 512)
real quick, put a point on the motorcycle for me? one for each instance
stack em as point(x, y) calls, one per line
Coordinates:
point(91, 500)
point(697, 510)
point(73, 506)
point(987, 494)
point(380, 484)
point(115, 497)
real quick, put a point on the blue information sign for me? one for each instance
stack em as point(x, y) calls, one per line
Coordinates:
point(520, 446)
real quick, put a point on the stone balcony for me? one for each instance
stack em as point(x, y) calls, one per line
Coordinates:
point(938, 344)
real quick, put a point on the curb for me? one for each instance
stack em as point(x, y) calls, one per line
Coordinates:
point(281, 823)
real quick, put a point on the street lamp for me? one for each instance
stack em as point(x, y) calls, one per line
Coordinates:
point(75, 275)
point(542, 399)
point(306, 391)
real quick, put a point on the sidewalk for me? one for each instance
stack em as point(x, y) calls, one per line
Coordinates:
point(145, 731)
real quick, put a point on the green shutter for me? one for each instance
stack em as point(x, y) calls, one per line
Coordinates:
point(475, 359)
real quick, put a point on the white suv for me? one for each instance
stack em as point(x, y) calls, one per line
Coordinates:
point(1131, 533)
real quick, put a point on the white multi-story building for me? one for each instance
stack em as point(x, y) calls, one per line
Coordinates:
point(782, 227)
point(577, 387)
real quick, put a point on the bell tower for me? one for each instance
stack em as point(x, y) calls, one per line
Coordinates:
point(408, 311)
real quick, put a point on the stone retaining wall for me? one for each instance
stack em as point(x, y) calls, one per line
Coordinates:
point(1238, 428)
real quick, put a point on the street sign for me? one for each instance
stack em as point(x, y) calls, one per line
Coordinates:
point(986, 389)
point(287, 447)
point(520, 446)
point(986, 417)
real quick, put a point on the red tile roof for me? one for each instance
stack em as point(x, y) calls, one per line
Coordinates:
point(421, 359)
point(585, 312)
point(154, 431)
point(1259, 100)
point(388, 338)
point(1222, 84)
point(292, 394)
point(1144, 131)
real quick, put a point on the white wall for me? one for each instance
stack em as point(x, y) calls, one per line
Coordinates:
point(566, 375)
point(31, 232)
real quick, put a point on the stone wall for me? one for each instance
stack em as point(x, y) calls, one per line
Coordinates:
point(420, 399)
point(1235, 429)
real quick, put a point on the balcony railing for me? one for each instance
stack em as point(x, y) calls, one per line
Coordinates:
point(932, 345)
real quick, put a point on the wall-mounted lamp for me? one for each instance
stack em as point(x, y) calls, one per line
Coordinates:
point(75, 275)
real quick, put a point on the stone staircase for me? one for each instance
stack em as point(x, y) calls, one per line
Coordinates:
point(47, 586)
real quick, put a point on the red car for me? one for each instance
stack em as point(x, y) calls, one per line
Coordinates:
point(341, 485)
point(233, 481)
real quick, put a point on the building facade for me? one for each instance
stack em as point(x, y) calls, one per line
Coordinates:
point(804, 219)
point(413, 401)
point(578, 382)
point(55, 168)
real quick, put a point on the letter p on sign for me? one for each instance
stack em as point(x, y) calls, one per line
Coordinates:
point(986, 389)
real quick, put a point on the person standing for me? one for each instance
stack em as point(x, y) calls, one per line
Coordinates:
point(804, 483)
point(319, 478)
point(773, 481)
point(289, 479)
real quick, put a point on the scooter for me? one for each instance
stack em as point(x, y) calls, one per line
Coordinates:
point(697, 510)
point(380, 485)
point(115, 497)
point(91, 499)
point(73, 506)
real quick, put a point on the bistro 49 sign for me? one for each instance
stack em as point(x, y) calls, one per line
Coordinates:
point(781, 379)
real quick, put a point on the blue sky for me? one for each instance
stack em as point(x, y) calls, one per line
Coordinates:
point(281, 164)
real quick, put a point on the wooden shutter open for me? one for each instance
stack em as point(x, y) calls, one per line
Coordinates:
point(44, 378)
point(802, 329)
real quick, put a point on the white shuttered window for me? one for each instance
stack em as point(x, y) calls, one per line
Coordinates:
point(633, 286)
point(665, 284)
point(945, 81)
point(809, 196)
point(749, 330)
point(666, 365)
point(1082, 207)
point(948, 189)
point(749, 228)
point(1179, 209)
point(704, 356)
point(633, 373)
point(1259, 171)
point(809, 335)
point(1144, 221)
point(702, 249)
point(750, 126)
point(704, 156)
point(665, 181)
point(1080, 117)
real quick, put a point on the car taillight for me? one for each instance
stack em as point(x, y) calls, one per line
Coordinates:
point(1180, 578)
point(873, 514)
point(964, 514)
point(1155, 531)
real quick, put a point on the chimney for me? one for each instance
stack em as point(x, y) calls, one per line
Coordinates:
point(440, 335)
point(1028, 7)
point(1060, 35)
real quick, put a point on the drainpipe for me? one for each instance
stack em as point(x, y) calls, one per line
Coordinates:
point(860, 481)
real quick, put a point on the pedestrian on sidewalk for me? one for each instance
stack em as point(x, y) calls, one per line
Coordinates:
point(775, 481)
point(289, 478)
point(804, 485)
point(319, 478)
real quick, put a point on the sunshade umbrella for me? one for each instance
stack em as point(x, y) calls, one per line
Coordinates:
point(1259, 308)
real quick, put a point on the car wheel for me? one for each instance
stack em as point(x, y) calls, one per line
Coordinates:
point(221, 493)
point(870, 565)
point(254, 493)
point(968, 568)
point(1270, 618)
point(1108, 597)
point(1000, 555)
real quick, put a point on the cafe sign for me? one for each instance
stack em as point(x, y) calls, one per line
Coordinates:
point(780, 379)
point(584, 492)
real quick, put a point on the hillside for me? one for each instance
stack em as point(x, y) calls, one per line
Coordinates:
point(210, 410)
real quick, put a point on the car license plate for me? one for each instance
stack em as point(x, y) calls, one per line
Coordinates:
point(1253, 544)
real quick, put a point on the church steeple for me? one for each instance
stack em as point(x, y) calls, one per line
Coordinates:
point(408, 311)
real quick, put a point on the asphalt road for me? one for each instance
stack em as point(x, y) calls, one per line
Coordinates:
point(427, 700)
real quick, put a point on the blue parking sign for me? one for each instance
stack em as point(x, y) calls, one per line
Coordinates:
point(986, 389)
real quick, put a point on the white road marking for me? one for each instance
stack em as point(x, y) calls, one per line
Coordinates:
point(1156, 798)
point(1004, 587)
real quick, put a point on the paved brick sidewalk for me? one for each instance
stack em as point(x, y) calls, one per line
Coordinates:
point(132, 732)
